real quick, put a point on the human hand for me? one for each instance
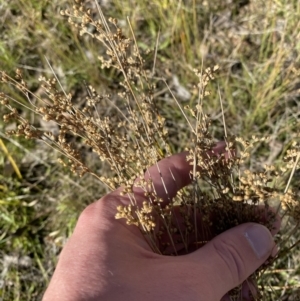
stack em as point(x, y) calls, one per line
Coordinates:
point(105, 259)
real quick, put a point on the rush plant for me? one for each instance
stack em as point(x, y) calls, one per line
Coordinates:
point(224, 190)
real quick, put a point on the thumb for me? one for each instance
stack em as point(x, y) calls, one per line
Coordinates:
point(231, 257)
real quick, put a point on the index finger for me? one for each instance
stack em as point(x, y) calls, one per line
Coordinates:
point(168, 176)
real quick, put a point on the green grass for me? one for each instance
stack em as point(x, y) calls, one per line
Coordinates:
point(257, 48)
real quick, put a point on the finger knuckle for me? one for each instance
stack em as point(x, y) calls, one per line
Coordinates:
point(232, 258)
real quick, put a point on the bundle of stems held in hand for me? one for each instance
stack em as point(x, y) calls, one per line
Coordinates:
point(223, 192)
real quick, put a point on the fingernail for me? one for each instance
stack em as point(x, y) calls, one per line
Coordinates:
point(260, 240)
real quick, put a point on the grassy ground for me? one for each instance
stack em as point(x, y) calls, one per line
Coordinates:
point(256, 45)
